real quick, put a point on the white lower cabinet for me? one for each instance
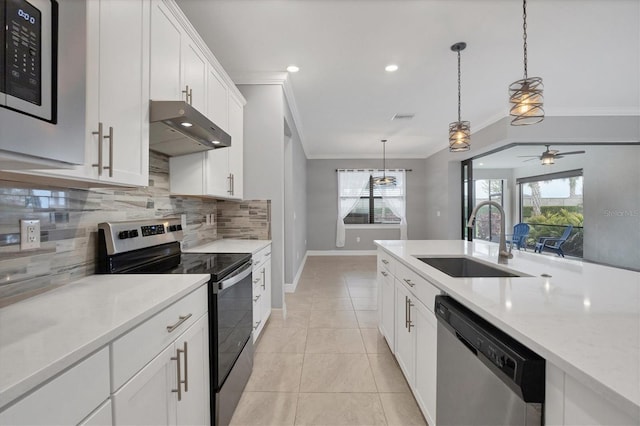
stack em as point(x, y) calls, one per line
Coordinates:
point(261, 290)
point(68, 398)
point(173, 389)
point(410, 326)
point(426, 365)
point(101, 417)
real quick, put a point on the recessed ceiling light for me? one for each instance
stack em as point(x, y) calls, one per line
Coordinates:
point(186, 124)
point(391, 68)
point(293, 68)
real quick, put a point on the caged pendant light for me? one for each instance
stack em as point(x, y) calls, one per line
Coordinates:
point(459, 131)
point(525, 95)
point(384, 180)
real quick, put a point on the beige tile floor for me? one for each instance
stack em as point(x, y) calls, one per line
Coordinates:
point(326, 363)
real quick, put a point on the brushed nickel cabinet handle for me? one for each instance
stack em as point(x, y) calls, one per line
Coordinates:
point(386, 262)
point(409, 321)
point(233, 184)
point(181, 319)
point(188, 94)
point(257, 297)
point(384, 274)
point(255, 327)
point(179, 377)
point(255, 280)
point(100, 138)
point(186, 368)
point(230, 190)
point(110, 137)
point(408, 281)
point(264, 279)
point(406, 312)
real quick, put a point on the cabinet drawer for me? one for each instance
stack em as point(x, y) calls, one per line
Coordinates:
point(134, 349)
point(386, 261)
point(420, 287)
point(260, 257)
point(68, 398)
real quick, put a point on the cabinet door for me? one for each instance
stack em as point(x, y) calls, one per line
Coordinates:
point(404, 334)
point(194, 73)
point(100, 417)
point(148, 399)
point(123, 90)
point(425, 367)
point(193, 407)
point(257, 304)
point(236, 150)
point(165, 82)
point(216, 173)
point(217, 100)
point(387, 305)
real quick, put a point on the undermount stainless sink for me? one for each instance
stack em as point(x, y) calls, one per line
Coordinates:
point(463, 267)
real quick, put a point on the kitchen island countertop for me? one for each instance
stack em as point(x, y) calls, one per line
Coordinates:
point(584, 318)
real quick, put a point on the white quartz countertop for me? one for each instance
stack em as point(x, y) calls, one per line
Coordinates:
point(230, 246)
point(43, 335)
point(585, 318)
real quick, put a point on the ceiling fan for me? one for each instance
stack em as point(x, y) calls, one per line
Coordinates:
point(547, 157)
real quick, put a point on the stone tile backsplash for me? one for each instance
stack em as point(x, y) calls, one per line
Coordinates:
point(69, 218)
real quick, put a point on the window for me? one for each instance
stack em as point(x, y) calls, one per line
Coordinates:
point(549, 203)
point(362, 202)
point(371, 208)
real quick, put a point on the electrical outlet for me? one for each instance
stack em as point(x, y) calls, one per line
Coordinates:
point(29, 234)
point(357, 239)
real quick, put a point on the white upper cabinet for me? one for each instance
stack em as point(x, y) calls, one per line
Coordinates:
point(236, 151)
point(217, 100)
point(178, 66)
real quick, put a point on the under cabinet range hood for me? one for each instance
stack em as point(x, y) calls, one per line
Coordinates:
point(177, 128)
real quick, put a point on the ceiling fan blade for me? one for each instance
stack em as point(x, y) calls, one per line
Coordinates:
point(530, 159)
point(571, 153)
point(553, 151)
point(527, 156)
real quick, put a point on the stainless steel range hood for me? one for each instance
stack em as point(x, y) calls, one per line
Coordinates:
point(177, 128)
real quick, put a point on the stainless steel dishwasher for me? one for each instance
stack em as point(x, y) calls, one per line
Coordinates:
point(484, 376)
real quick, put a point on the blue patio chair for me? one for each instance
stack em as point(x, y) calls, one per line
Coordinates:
point(519, 236)
point(554, 244)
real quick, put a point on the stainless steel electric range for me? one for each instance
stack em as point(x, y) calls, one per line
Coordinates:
point(153, 247)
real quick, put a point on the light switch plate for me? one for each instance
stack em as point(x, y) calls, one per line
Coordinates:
point(29, 234)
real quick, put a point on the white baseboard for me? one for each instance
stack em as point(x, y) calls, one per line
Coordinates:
point(342, 252)
point(291, 288)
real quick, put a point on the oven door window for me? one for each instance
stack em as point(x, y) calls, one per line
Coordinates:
point(234, 323)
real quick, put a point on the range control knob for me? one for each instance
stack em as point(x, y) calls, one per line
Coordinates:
point(179, 227)
point(123, 235)
point(133, 233)
point(173, 228)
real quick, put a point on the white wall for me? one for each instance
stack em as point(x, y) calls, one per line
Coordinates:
point(264, 167)
point(322, 204)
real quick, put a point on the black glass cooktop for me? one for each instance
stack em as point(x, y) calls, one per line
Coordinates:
point(167, 259)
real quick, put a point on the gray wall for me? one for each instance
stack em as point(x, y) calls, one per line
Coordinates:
point(443, 168)
point(611, 201)
point(322, 204)
point(275, 169)
point(295, 201)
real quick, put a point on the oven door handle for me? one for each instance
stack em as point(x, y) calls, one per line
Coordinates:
point(243, 272)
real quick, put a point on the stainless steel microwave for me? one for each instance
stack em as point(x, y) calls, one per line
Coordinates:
point(28, 38)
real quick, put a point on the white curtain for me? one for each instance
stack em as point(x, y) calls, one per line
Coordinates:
point(351, 186)
point(393, 197)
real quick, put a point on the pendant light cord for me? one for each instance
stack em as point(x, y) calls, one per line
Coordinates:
point(459, 99)
point(524, 36)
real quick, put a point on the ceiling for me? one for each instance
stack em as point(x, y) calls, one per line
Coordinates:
point(586, 51)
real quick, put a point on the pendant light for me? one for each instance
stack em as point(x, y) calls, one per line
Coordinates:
point(384, 180)
point(525, 95)
point(459, 131)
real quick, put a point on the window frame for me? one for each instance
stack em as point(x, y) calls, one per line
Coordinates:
point(371, 198)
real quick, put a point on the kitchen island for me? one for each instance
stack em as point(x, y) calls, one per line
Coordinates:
point(583, 318)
